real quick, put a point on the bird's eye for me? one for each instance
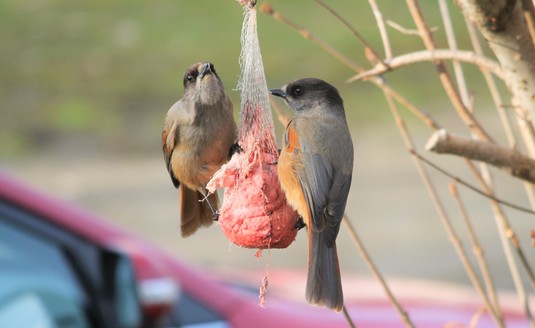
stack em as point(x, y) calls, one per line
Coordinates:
point(190, 78)
point(297, 92)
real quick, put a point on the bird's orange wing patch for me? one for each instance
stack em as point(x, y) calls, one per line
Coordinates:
point(169, 144)
point(164, 141)
point(292, 139)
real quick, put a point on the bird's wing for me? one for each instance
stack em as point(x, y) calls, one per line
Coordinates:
point(324, 188)
point(176, 116)
point(169, 137)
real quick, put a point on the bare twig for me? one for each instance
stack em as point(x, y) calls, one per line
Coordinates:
point(368, 47)
point(478, 252)
point(348, 317)
point(509, 160)
point(474, 279)
point(471, 187)
point(434, 55)
point(436, 201)
point(487, 181)
point(500, 218)
point(406, 31)
point(373, 268)
point(382, 28)
point(506, 233)
point(504, 229)
point(443, 74)
point(452, 44)
point(268, 9)
point(468, 101)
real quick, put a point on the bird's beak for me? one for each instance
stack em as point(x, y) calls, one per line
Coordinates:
point(206, 68)
point(278, 93)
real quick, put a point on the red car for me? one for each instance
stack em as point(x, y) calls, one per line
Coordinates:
point(62, 267)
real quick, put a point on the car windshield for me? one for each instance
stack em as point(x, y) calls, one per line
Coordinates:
point(38, 287)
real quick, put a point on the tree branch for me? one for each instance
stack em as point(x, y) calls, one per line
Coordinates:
point(509, 160)
point(427, 55)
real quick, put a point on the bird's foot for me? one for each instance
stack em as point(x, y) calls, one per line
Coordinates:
point(215, 215)
point(276, 162)
point(300, 224)
point(235, 148)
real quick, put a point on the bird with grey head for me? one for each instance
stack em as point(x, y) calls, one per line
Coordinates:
point(199, 136)
point(315, 169)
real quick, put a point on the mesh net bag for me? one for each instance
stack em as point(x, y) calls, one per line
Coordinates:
point(254, 213)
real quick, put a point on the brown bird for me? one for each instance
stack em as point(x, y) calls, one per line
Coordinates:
point(199, 136)
point(315, 169)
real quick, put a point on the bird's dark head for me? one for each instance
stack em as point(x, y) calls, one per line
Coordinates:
point(202, 81)
point(308, 93)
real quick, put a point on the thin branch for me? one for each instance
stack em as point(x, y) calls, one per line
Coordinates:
point(468, 267)
point(373, 268)
point(444, 76)
point(463, 89)
point(471, 187)
point(436, 201)
point(373, 54)
point(502, 221)
point(382, 28)
point(478, 251)
point(506, 233)
point(431, 55)
point(509, 160)
point(348, 317)
point(268, 9)
point(423, 117)
point(452, 44)
point(405, 30)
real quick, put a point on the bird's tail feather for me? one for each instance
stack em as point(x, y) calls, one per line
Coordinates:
point(324, 285)
point(195, 213)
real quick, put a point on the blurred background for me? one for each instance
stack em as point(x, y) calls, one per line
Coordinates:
point(85, 85)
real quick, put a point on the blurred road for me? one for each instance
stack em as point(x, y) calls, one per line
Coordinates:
point(388, 206)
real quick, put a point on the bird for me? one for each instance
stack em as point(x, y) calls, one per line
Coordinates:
point(315, 169)
point(199, 136)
